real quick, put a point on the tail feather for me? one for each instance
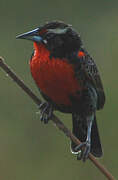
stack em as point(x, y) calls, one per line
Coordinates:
point(96, 147)
point(80, 131)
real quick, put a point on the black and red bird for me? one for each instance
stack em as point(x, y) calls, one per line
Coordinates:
point(69, 81)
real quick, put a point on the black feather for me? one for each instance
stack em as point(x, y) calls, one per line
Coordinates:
point(80, 131)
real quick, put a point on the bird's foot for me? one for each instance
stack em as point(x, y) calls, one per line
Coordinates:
point(84, 150)
point(46, 111)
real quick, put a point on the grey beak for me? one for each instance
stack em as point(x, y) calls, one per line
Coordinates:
point(31, 35)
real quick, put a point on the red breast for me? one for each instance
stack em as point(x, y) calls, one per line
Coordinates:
point(55, 77)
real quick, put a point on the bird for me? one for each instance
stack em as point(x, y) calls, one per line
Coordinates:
point(69, 81)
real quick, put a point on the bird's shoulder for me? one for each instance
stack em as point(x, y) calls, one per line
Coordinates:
point(82, 58)
point(86, 70)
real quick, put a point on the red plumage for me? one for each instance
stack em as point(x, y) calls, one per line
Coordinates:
point(54, 77)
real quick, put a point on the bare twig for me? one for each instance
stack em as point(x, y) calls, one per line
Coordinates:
point(55, 119)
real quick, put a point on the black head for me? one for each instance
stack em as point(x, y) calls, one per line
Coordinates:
point(59, 38)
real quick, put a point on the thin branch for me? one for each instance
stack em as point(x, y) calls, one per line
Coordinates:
point(55, 119)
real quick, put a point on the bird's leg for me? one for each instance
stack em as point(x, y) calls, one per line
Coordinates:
point(46, 110)
point(85, 146)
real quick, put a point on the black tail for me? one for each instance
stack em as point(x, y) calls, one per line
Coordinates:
point(80, 131)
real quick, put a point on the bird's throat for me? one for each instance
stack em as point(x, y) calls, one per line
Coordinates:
point(39, 49)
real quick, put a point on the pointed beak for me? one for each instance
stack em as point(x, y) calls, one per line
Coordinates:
point(31, 35)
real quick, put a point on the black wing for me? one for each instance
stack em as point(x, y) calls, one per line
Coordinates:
point(92, 74)
point(89, 72)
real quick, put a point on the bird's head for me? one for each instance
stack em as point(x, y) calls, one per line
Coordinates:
point(59, 38)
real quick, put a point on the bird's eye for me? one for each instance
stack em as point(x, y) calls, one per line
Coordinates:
point(49, 35)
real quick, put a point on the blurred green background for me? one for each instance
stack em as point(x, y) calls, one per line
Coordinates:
point(30, 150)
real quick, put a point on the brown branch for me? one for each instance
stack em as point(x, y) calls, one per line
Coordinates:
point(55, 119)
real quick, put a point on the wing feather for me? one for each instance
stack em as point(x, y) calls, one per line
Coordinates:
point(90, 73)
